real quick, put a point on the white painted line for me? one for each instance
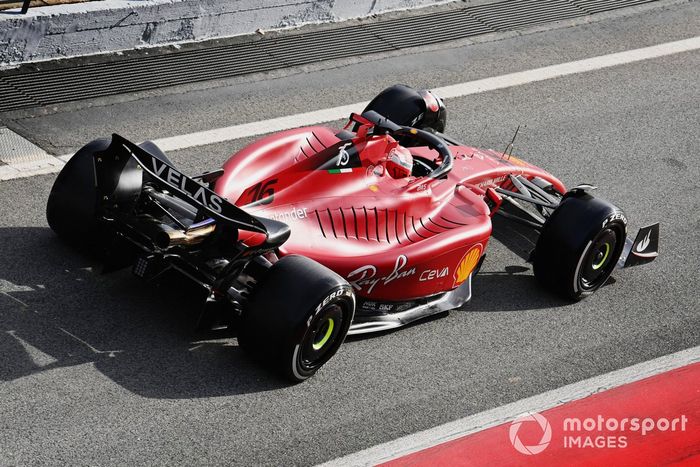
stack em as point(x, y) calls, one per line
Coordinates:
point(507, 413)
point(230, 133)
point(15, 149)
point(458, 90)
point(43, 166)
point(570, 68)
point(245, 130)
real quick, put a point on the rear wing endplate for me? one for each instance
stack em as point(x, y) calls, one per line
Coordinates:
point(166, 176)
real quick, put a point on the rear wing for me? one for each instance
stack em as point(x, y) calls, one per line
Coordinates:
point(116, 177)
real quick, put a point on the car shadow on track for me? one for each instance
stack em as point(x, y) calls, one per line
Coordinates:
point(513, 289)
point(57, 311)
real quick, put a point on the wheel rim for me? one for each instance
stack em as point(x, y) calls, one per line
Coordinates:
point(324, 334)
point(599, 260)
point(322, 337)
point(603, 255)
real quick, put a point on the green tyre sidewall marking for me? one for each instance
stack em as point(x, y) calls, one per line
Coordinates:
point(318, 345)
point(602, 261)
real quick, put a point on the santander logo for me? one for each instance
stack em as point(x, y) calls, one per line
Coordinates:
point(544, 440)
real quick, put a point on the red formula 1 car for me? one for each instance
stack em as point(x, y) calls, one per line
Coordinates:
point(307, 235)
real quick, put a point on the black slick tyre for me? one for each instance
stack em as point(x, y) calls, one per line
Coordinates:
point(297, 317)
point(579, 246)
point(72, 203)
point(71, 209)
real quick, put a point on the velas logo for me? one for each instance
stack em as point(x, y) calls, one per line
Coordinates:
point(529, 418)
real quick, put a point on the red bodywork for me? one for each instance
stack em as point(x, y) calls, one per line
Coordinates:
point(393, 239)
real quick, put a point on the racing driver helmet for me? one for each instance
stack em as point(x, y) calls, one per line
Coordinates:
point(399, 162)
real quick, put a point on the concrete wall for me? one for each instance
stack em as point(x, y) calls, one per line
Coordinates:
point(112, 25)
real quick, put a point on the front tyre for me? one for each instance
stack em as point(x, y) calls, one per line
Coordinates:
point(297, 317)
point(579, 246)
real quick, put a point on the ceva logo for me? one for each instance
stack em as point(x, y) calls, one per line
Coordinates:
point(544, 441)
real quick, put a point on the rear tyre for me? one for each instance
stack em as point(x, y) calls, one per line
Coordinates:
point(404, 105)
point(579, 246)
point(297, 317)
point(71, 210)
point(72, 203)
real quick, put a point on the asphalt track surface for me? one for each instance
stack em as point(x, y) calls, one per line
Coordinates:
point(103, 369)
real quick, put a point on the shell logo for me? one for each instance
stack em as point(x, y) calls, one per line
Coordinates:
point(467, 264)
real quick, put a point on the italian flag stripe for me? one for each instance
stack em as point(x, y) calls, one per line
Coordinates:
point(339, 171)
